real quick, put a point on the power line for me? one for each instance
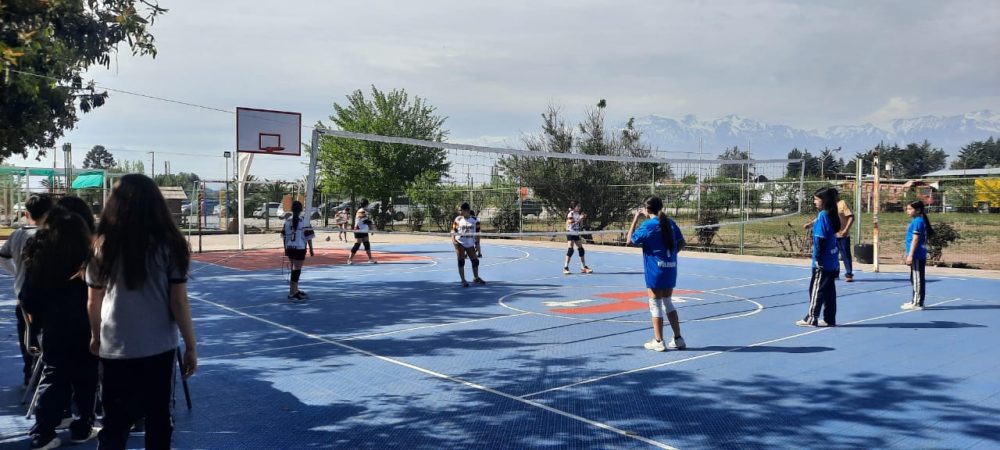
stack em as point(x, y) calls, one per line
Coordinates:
point(137, 94)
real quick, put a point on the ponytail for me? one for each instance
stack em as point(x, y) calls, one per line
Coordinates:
point(296, 210)
point(666, 230)
point(829, 195)
point(655, 206)
point(919, 206)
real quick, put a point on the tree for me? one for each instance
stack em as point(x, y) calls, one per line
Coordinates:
point(99, 158)
point(126, 166)
point(913, 161)
point(608, 190)
point(45, 47)
point(733, 171)
point(829, 165)
point(380, 170)
point(794, 170)
point(978, 155)
point(185, 180)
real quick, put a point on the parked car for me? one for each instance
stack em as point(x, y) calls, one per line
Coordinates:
point(529, 207)
point(274, 209)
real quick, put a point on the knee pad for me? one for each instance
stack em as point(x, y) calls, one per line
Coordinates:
point(569, 251)
point(668, 305)
point(368, 246)
point(295, 275)
point(355, 248)
point(581, 252)
point(656, 307)
point(475, 263)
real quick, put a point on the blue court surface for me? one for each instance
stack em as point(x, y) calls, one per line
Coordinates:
point(399, 355)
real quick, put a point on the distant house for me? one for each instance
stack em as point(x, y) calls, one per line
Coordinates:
point(986, 191)
point(964, 173)
point(175, 196)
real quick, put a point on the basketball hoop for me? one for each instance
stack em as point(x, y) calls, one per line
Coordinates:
point(272, 149)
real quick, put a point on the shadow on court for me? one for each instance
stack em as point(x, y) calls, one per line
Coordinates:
point(869, 410)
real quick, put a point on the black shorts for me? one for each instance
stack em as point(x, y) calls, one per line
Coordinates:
point(296, 254)
point(360, 235)
point(572, 237)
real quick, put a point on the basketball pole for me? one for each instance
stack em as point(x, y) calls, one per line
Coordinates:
point(243, 161)
point(311, 179)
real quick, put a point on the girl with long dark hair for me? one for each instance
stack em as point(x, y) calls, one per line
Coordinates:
point(137, 303)
point(917, 233)
point(296, 233)
point(55, 295)
point(661, 240)
point(825, 262)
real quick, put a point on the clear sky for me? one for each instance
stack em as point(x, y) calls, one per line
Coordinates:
point(493, 67)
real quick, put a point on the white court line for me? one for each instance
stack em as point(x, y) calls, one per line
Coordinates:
point(763, 283)
point(706, 355)
point(254, 352)
point(442, 376)
point(366, 336)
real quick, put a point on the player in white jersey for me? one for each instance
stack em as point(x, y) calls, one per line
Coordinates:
point(465, 234)
point(362, 224)
point(296, 235)
point(574, 223)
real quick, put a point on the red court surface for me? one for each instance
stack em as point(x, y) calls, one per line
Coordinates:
point(623, 301)
point(272, 258)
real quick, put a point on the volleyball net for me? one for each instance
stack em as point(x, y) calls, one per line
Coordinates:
point(416, 186)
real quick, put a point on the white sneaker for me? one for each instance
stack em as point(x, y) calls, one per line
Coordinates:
point(911, 306)
point(654, 345)
point(677, 344)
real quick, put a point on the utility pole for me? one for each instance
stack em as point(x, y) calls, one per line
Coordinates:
point(152, 165)
point(68, 161)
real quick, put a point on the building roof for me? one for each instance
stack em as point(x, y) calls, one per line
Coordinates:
point(965, 172)
point(173, 193)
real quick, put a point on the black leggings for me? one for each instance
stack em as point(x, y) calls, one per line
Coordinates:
point(134, 388)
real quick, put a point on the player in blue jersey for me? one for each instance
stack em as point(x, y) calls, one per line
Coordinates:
point(660, 240)
point(825, 263)
point(916, 251)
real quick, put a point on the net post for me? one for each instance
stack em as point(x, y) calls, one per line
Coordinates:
point(857, 198)
point(876, 186)
point(802, 183)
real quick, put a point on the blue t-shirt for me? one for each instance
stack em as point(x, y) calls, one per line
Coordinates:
point(828, 254)
point(918, 227)
point(659, 263)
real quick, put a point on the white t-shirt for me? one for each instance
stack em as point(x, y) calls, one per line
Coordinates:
point(361, 220)
point(573, 224)
point(10, 254)
point(296, 237)
point(465, 230)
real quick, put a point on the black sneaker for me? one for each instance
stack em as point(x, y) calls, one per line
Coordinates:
point(81, 436)
point(39, 442)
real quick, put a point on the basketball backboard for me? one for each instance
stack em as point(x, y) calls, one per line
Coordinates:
point(270, 132)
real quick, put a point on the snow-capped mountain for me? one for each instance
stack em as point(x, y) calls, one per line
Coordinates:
point(774, 141)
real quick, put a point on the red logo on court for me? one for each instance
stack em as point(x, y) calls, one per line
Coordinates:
point(620, 302)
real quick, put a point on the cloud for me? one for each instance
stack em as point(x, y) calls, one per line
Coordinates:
point(894, 108)
point(493, 67)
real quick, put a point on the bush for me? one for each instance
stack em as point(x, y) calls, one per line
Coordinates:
point(706, 234)
point(507, 219)
point(944, 235)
